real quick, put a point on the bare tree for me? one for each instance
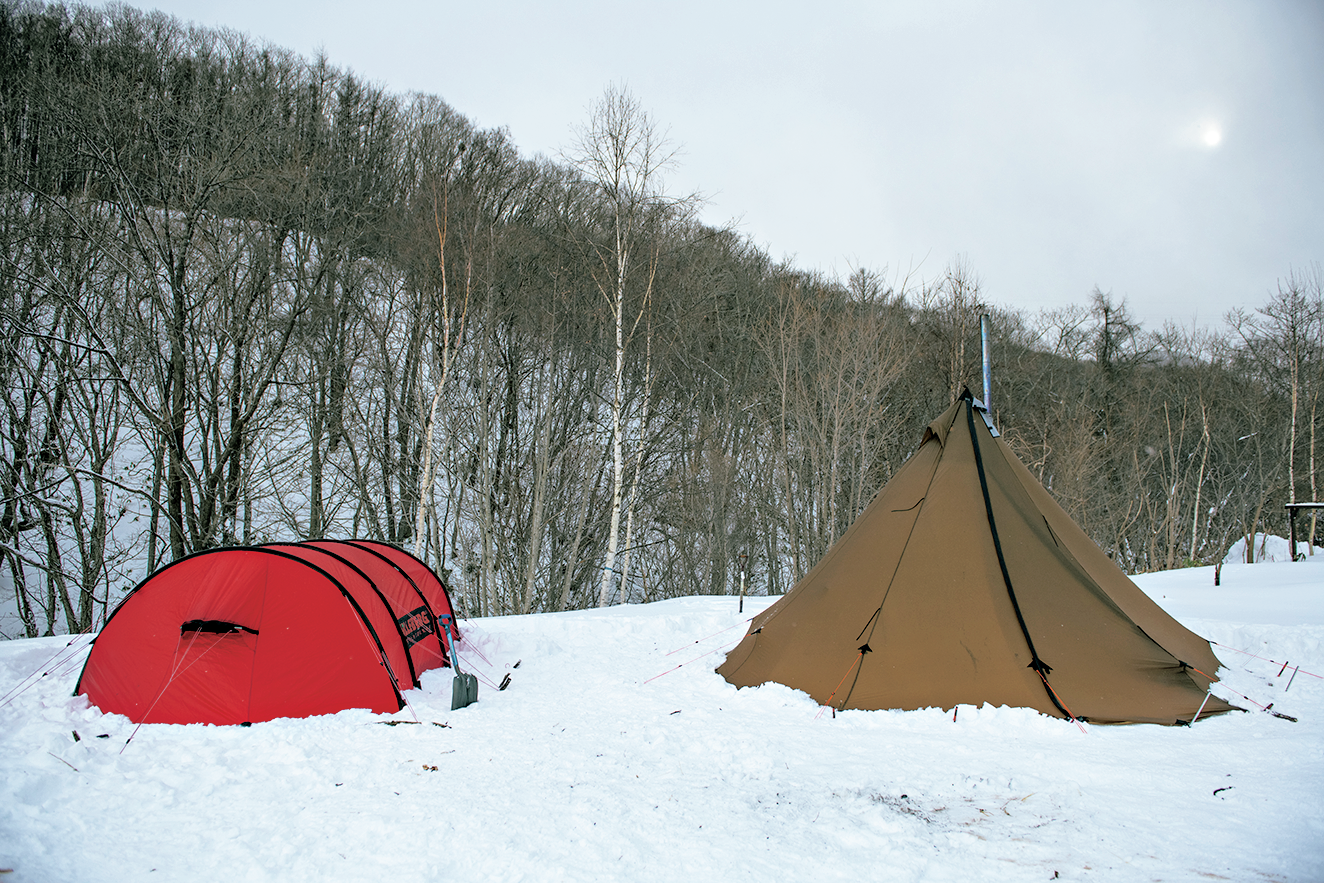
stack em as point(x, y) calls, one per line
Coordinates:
point(950, 308)
point(443, 351)
point(836, 358)
point(1283, 339)
point(622, 152)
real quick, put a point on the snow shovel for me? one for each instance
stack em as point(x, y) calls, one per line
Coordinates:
point(464, 689)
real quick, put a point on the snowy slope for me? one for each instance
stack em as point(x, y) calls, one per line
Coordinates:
point(590, 767)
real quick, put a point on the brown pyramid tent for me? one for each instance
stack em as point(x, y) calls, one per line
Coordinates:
point(964, 582)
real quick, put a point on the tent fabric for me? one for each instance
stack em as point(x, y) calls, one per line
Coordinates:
point(423, 638)
point(240, 635)
point(423, 576)
point(369, 597)
point(964, 582)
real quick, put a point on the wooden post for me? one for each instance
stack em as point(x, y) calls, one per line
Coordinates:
point(743, 559)
point(1291, 530)
point(1292, 510)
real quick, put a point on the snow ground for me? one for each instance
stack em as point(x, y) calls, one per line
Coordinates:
point(590, 767)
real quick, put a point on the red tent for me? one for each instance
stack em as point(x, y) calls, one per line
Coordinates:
point(238, 635)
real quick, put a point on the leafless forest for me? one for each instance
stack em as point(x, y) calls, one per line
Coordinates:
point(246, 296)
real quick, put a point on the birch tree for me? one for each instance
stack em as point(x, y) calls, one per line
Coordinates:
point(439, 366)
point(624, 155)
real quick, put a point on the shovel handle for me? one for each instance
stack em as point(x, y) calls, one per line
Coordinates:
point(450, 642)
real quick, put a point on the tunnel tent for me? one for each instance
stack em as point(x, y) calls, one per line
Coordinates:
point(964, 582)
point(240, 635)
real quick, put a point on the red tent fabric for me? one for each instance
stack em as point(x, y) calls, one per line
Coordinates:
point(369, 596)
point(240, 635)
point(417, 621)
point(433, 589)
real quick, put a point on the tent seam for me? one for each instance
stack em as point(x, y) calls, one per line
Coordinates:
point(1041, 667)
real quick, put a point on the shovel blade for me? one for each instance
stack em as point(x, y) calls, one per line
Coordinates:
point(464, 691)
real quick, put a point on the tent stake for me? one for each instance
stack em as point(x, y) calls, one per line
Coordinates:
point(1207, 694)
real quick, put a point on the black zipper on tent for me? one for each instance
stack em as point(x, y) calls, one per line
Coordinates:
point(869, 623)
point(872, 624)
point(1052, 534)
point(1038, 665)
point(214, 627)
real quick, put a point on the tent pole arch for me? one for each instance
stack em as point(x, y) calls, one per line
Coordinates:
point(413, 675)
point(366, 547)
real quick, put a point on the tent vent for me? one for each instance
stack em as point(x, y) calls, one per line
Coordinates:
point(983, 412)
point(214, 627)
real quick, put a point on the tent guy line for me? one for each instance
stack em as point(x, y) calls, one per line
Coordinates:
point(697, 658)
point(1266, 659)
point(709, 637)
point(61, 658)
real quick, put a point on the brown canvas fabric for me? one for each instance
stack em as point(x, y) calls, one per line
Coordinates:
point(911, 609)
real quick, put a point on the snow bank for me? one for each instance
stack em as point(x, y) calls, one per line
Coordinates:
point(618, 754)
point(1269, 548)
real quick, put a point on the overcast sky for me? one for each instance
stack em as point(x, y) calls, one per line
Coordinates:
point(1171, 153)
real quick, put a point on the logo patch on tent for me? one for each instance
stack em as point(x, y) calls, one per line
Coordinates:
point(415, 626)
